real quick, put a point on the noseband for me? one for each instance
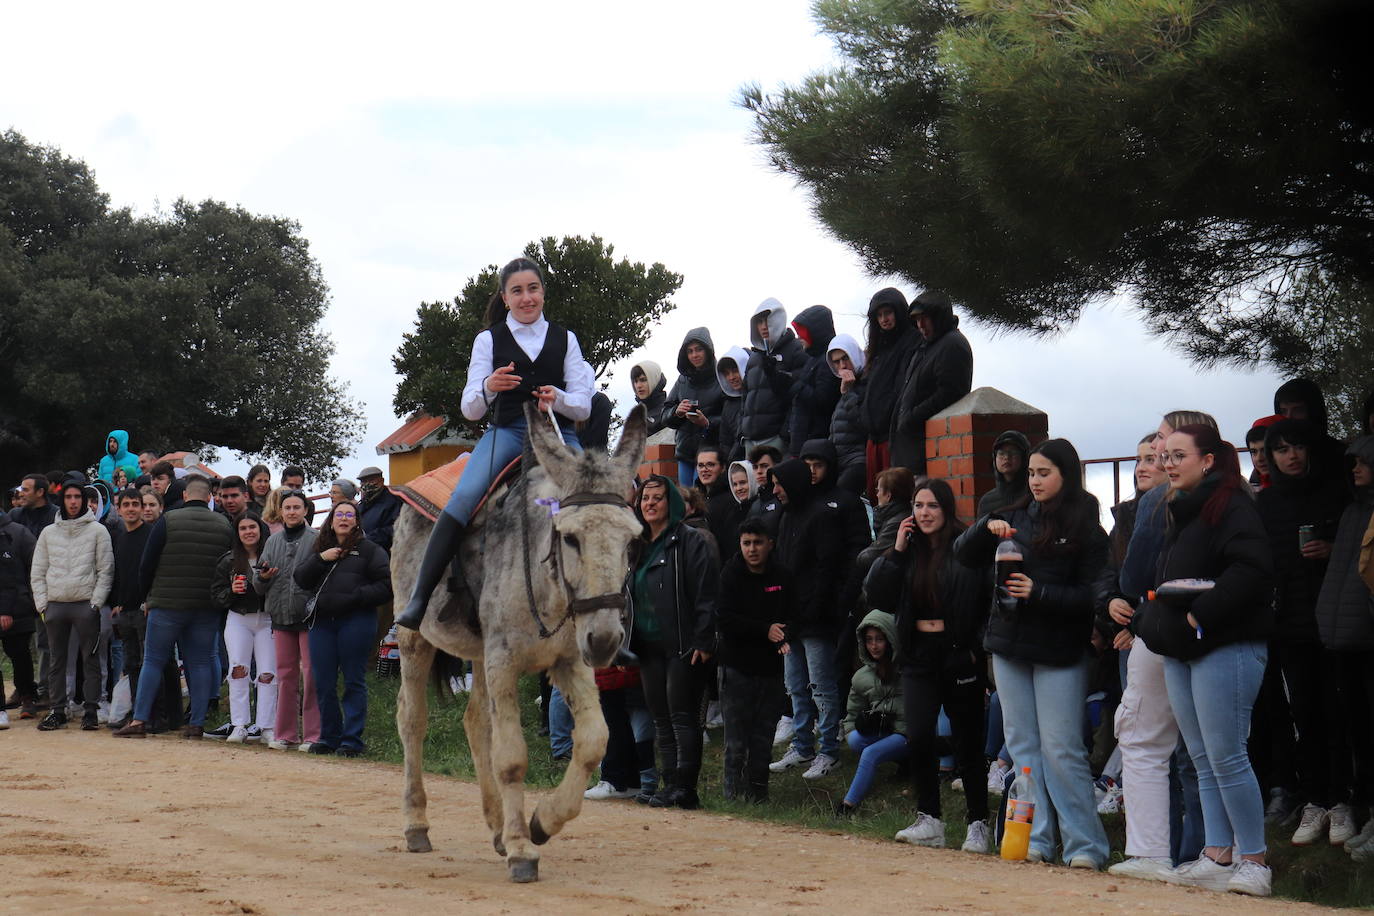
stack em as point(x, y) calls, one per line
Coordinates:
point(576, 606)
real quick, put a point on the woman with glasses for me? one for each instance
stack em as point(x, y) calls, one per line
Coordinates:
point(1214, 648)
point(349, 576)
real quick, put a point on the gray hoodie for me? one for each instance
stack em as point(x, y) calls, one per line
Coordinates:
point(768, 377)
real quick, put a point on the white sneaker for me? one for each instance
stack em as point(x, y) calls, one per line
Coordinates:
point(4, 720)
point(789, 760)
point(603, 791)
point(1251, 878)
point(1342, 824)
point(1146, 868)
point(303, 747)
point(997, 778)
point(820, 767)
point(1201, 872)
point(924, 831)
point(457, 684)
point(102, 712)
point(1111, 800)
point(713, 716)
point(784, 732)
point(238, 735)
point(265, 736)
point(1360, 839)
point(276, 745)
point(254, 733)
point(976, 840)
point(956, 784)
point(1362, 853)
point(1315, 820)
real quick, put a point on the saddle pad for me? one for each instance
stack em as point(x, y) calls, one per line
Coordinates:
point(429, 493)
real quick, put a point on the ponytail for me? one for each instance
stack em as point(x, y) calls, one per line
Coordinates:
point(1225, 465)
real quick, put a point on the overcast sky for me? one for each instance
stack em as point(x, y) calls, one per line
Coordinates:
point(416, 144)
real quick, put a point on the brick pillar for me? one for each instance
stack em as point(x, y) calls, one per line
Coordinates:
point(660, 456)
point(959, 441)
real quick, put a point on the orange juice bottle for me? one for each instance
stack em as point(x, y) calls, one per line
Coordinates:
point(1016, 829)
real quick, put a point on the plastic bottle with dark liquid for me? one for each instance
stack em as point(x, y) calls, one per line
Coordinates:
point(1007, 561)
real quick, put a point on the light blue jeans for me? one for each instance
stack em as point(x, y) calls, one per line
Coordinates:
point(1212, 699)
point(498, 447)
point(560, 725)
point(1042, 715)
point(809, 670)
point(872, 752)
point(686, 473)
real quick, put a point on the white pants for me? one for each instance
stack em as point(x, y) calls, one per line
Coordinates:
point(1147, 734)
point(248, 638)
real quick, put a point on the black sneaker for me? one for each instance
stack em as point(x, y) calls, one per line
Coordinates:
point(319, 747)
point(221, 733)
point(53, 721)
point(348, 752)
point(90, 721)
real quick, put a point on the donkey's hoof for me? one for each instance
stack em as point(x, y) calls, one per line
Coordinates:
point(417, 839)
point(498, 844)
point(537, 835)
point(523, 871)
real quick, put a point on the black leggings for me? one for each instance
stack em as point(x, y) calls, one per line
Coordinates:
point(672, 691)
point(929, 682)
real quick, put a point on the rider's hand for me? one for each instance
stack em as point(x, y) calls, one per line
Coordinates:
point(503, 379)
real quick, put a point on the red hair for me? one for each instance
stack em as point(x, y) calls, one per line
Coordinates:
point(1225, 464)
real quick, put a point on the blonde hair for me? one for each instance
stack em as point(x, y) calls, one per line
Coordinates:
point(1177, 419)
point(271, 510)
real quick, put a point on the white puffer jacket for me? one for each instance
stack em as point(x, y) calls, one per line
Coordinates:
point(72, 562)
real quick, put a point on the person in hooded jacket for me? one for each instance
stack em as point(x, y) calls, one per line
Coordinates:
point(595, 432)
point(693, 405)
point(1038, 634)
point(892, 339)
point(815, 388)
point(1215, 650)
point(1302, 399)
point(117, 455)
point(730, 373)
point(673, 588)
point(651, 391)
point(1010, 454)
point(846, 361)
point(941, 608)
point(18, 617)
point(350, 576)
point(874, 724)
point(742, 486)
point(1301, 509)
point(774, 354)
point(766, 507)
point(940, 373)
point(896, 487)
point(1344, 619)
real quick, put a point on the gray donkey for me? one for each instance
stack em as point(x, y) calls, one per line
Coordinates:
point(546, 560)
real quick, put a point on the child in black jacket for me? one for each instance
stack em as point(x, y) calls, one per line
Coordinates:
point(753, 610)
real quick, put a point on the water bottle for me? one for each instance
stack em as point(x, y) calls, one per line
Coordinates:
point(1016, 829)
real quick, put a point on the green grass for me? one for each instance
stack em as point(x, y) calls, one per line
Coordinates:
point(1318, 874)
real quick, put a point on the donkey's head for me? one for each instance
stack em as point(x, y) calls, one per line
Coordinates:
point(594, 528)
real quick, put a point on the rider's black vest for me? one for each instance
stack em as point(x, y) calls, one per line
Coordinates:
point(545, 369)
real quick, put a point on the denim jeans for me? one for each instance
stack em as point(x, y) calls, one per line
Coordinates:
point(342, 645)
point(498, 447)
point(560, 725)
point(1185, 807)
point(194, 634)
point(1042, 708)
point(687, 473)
point(1212, 698)
point(872, 752)
point(809, 671)
point(995, 743)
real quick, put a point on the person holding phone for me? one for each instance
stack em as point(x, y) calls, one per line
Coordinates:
point(673, 587)
point(520, 358)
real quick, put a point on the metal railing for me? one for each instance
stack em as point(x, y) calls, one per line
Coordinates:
point(1116, 464)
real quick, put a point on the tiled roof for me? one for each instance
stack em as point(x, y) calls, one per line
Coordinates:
point(411, 435)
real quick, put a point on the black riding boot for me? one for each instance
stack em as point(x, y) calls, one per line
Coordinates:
point(443, 545)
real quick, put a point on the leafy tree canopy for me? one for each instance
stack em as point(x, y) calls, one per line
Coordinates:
point(189, 329)
point(1209, 158)
point(610, 305)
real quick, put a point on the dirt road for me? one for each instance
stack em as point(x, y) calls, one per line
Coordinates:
point(93, 824)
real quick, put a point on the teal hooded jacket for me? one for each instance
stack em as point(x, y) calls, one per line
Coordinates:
point(120, 459)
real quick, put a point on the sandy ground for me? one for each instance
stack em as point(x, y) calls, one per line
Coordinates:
point(89, 823)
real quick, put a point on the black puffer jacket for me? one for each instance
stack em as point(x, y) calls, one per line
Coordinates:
point(1345, 607)
point(16, 560)
point(768, 377)
point(725, 434)
point(1235, 554)
point(1055, 625)
point(360, 580)
point(1285, 505)
point(887, 518)
point(965, 596)
point(889, 355)
point(1006, 491)
point(941, 372)
point(1328, 453)
point(658, 393)
point(815, 388)
point(222, 590)
point(700, 385)
point(847, 430)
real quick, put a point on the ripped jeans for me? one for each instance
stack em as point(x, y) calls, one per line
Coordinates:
point(249, 639)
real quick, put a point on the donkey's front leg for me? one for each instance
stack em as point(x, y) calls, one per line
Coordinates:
point(509, 760)
point(412, 720)
point(578, 685)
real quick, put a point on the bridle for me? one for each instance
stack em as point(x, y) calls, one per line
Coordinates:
point(576, 606)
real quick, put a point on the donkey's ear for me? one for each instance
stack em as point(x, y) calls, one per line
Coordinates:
point(554, 456)
point(629, 454)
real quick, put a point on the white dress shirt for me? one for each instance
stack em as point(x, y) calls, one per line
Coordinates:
point(575, 402)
